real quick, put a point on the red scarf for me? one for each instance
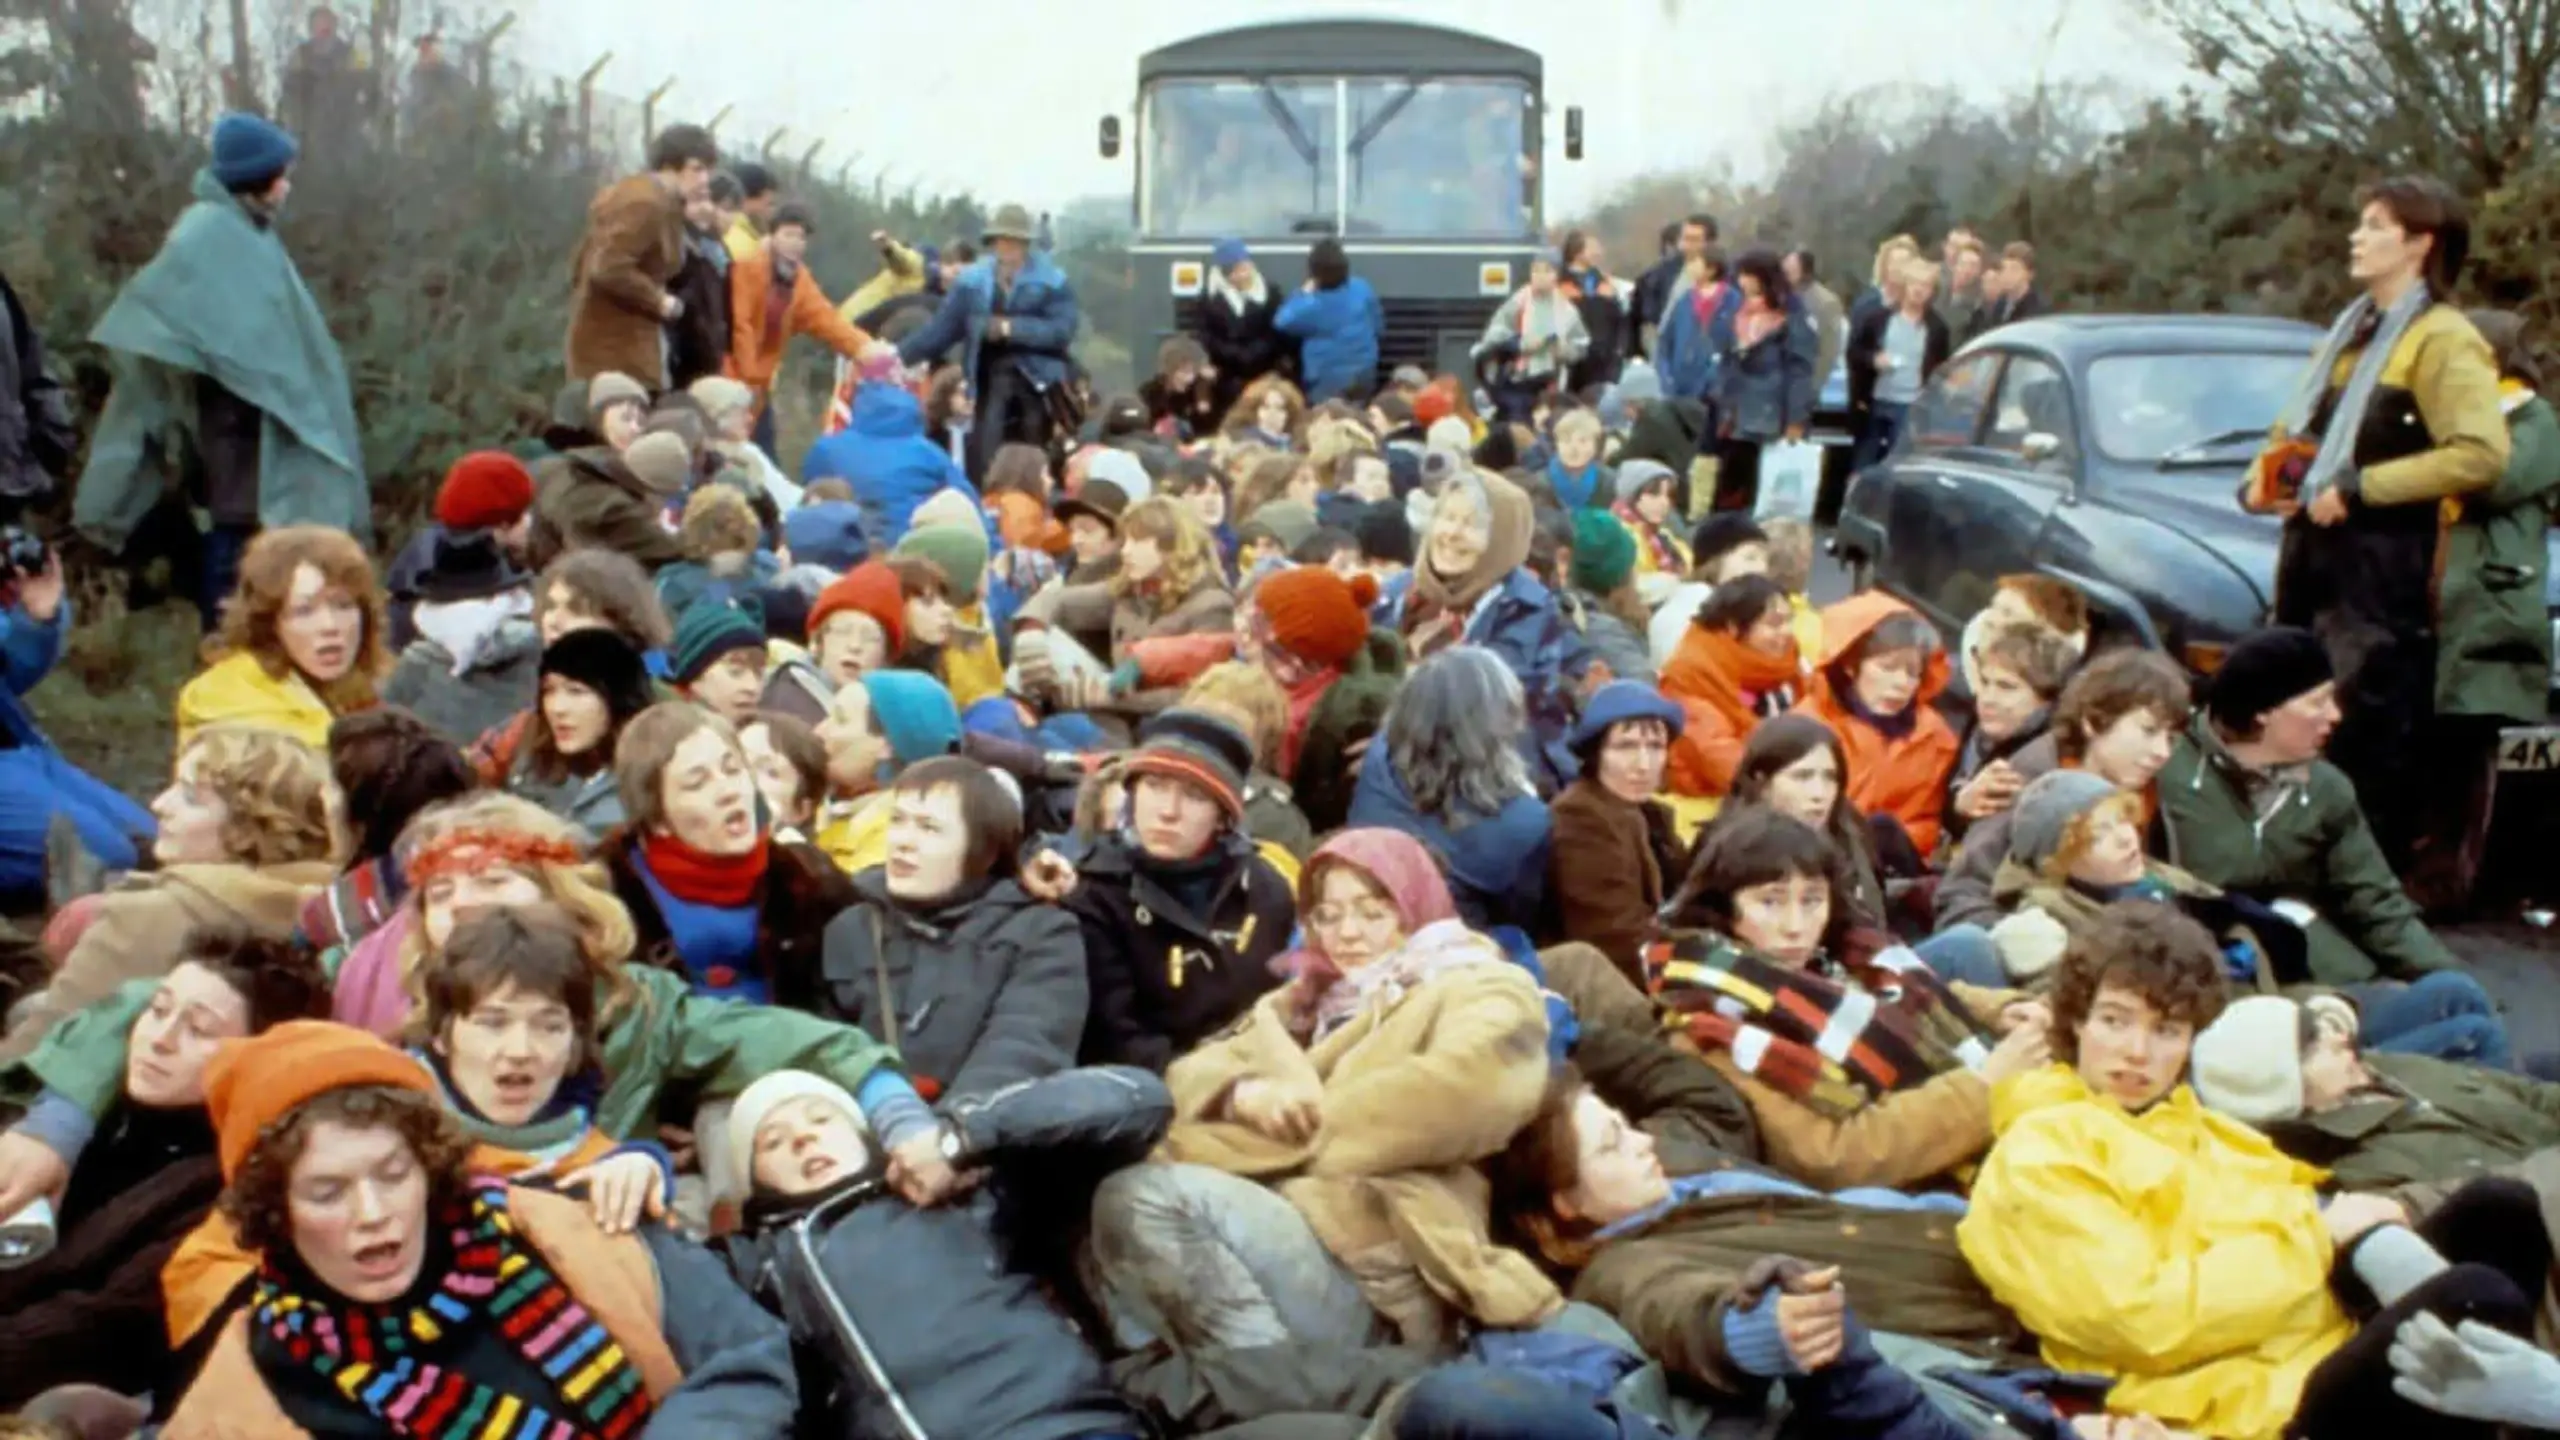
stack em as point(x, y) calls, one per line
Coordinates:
point(722, 881)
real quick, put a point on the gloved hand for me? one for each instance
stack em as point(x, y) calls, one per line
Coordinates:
point(2476, 1373)
point(1031, 662)
point(1126, 677)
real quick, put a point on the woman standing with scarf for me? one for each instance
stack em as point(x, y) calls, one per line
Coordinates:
point(2397, 420)
point(1538, 333)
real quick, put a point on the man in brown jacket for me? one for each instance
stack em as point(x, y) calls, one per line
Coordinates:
point(619, 305)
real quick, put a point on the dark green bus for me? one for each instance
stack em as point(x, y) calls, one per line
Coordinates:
point(1419, 146)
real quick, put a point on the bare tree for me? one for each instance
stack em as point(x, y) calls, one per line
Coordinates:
point(2459, 87)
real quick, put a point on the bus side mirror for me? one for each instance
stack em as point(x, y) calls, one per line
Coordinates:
point(1110, 137)
point(1573, 132)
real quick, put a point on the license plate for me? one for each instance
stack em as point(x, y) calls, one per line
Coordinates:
point(2529, 748)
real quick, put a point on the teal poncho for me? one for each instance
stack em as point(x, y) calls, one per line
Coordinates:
point(222, 299)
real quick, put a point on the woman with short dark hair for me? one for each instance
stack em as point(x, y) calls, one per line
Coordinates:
point(1764, 386)
point(2398, 413)
point(944, 955)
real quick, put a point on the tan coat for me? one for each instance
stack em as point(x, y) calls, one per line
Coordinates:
point(1413, 1094)
point(141, 930)
point(611, 1275)
point(618, 284)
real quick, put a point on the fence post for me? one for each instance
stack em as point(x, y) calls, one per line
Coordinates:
point(587, 108)
point(809, 157)
point(485, 45)
point(713, 124)
point(649, 112)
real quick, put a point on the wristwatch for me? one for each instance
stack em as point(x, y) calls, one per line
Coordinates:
point(954, 1144)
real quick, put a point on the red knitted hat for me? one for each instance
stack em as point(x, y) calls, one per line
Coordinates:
point(1315, 614)
point(485, 490)
point(1432, 405)
point(871, 588)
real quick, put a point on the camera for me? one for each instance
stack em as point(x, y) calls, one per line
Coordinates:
point(22, 553)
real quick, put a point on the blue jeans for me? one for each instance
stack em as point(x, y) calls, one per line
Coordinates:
point(37, 784)
point(1966, 953)
point(1469, 1401)
point(2444, 1015)
point(763, 436)
point(1876, 436)
point(223, 546)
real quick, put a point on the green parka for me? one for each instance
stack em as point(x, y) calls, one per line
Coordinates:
point(2435, 1120)
point(2314, 848)
point(669, 1035)
point(2493, 645)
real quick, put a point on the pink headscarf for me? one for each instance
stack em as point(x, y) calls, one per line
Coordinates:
point(1398, 863)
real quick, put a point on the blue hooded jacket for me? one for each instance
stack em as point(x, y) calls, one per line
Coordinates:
point(886, 458)
point(1687, 352)
point(1042, 309)
point(1497, 864)
point(1338, 334)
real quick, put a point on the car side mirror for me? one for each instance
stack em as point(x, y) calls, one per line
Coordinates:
point(1110, 137)
point(2040, 446)
point(1573, 132)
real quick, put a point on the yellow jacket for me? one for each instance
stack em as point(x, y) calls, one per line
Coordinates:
point(1808, 624)
point(743, 239)
point(2174, 1250)
point(237, 690)
point(972, 666)
point(855, 833)
point(901, 273)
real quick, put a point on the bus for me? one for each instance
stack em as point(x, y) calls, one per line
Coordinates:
point(1418, 146)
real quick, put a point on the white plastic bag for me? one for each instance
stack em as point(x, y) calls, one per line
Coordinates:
point(1790, 478)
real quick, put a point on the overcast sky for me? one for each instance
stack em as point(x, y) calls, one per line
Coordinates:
point(1001, 96)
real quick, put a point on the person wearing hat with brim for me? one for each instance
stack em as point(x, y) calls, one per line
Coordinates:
point(1182, 914)
point(485, 490)
point(2252, 807)
point(1015, 315)
point(477, 658)
point(1092, 517)
point(1614, 857)
point(676, 1343)
point(599, 497)
point(822, 1229)
point(246, 368)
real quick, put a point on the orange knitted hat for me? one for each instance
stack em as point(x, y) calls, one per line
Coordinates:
point(872, 589)
point(256, 1082)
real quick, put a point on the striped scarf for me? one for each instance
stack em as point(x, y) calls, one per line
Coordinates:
point(1835, 1035)
point(374, 1355)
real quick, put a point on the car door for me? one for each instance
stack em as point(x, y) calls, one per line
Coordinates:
point(2009, 484)
point(1924, 527)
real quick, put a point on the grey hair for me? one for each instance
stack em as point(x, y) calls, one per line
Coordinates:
point(1453, 736)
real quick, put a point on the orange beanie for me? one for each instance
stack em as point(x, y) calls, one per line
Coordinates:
point(871, 588)
point(256, 1082)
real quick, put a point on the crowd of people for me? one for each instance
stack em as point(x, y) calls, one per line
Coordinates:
point(1285, 905)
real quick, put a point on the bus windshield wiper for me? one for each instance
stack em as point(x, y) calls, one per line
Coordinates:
point(1289, 125)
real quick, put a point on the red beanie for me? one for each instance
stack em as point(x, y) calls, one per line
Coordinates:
point(871, 588)
point(485, 490)
point(1316, 615)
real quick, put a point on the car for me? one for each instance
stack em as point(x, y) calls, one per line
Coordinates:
point(2103, 450)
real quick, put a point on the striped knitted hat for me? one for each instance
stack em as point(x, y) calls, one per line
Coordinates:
point(1197, 746)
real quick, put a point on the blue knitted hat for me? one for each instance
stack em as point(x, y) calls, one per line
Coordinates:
point(914, 713)
point(249, 150)
point(826, 533)
point(1228, 254)
point(1618, 702)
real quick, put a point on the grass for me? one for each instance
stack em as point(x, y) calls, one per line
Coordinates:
point(111, 703)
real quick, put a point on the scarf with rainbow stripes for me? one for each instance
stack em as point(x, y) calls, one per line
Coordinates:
point(378, 1357)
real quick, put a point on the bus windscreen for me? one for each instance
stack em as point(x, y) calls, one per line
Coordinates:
point(1427, 159)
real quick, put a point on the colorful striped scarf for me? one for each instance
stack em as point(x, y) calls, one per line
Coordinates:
point(1836, 1035)
point(376, 1356)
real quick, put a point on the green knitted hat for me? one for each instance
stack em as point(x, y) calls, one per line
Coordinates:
point(961, 551)
point(705, 632)
point(1604, 554)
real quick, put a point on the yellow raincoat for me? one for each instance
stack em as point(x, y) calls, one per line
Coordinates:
point(2175, 1250)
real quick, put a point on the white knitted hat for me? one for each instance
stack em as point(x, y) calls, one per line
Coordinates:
point(775, 1090)
point(2248, 1064)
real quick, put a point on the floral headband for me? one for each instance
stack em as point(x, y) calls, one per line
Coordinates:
point(469, 852)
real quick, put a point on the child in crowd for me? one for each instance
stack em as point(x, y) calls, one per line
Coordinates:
point(1880, 666)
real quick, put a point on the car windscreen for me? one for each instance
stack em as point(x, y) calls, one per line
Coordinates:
point(1440, 159)
point(1240, 157)
point(2150, 408)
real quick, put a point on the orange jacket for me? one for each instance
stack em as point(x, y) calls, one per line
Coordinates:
point(1905, 778)
point(750, 303)
point(1717, 679)
point(1024, 521)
